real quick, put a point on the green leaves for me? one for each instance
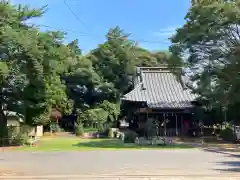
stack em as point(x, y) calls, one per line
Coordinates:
point(113, 110)
point(102, 113)
point(31, 66)
point(39, 73)
point(3, 70)
point(208, 42)
point(112, 60)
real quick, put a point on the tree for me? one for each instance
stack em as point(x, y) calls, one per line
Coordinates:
point(143, 57)
point(39, 73)
point(32, 63)
point(112, 60)
point(74, 47)
point(208, 43)
point(112, 109)
point(13, 30)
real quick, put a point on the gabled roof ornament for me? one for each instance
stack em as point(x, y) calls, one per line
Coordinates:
point(141, 78)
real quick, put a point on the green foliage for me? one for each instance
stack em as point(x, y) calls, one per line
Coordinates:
point(18, 136)
point(227, 135)
point(98, 114)
point(3, 132)
point(130, 136)
point(41, 119)
point(112, 109)
point(143, 57)
point(110, 133)
point(209, 44)
point(90, 129)
point(114, 61)
point(55, 127)
point(122, 137)
point(40, 73)
point(25, 129)
point(101, 114)
point(79, 131)
point(117, 58)
point(31, 66)
point(20, 139)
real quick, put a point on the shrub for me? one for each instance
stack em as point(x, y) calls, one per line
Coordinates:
point(20, 139)
point(227, 135)
point(130, 137)
point(101, 128)
point(18, 136)
point(110, 133)
point(56, 128)
point(104, 134)
point(122, 136)
point(12, 133)
point(79, 131)
point(25, 129)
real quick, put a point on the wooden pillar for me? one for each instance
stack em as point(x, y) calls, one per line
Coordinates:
point(156, 124)
point(225, 116)
point(147, 124)
point(182, 125)
point(165, 127)
point(176, 125)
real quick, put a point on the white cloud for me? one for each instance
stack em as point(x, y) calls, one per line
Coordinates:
point(169, 31)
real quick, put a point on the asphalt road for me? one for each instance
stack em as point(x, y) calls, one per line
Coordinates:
point(128, 164)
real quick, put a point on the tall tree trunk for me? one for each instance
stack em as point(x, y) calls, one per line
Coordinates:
point(50, 127)
point(3, 128)
point(3, 121)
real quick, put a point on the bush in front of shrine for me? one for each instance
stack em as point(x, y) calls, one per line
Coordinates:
point(227, 135)
point(130, 137)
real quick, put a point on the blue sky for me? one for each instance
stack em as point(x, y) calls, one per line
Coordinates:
point(147, 20)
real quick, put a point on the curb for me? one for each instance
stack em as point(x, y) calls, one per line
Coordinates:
point(121, 176)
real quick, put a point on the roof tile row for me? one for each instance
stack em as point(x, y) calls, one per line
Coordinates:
point(161, 89)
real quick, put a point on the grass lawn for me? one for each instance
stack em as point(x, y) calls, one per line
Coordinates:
point(90, 129)
point(76, 144)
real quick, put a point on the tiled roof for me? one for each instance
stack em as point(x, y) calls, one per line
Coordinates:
point(159, 88)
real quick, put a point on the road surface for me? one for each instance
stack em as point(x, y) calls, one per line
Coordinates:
point(127, 164)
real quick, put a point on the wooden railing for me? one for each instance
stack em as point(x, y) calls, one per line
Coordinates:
point(170, 132)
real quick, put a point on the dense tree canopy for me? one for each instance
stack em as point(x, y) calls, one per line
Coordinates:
point(208, 45)
point(39, 73)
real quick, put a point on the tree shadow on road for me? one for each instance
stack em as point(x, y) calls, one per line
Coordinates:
point(222, 151)
point(231, 166)
point(228, 166)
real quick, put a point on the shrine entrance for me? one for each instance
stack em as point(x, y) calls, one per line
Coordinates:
point(162, 123)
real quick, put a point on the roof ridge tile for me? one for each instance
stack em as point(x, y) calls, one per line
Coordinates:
point(162, 90)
